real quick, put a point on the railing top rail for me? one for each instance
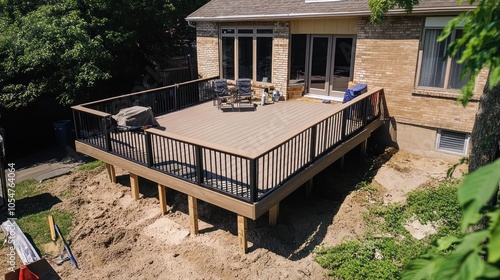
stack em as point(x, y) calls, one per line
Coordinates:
point(225, 149)
point(144, 91)
point(91, 111)
point(256, 154)
point(306, 125)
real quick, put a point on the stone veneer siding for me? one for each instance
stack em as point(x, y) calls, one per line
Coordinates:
point(207, 41)
point(387, 56)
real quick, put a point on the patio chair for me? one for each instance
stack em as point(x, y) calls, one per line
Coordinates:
point(244, 88)
point(222, 95)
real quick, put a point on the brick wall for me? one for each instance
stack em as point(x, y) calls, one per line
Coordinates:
point(280, 57)
point(207, 40)
point(386, 56)
point(207, 48)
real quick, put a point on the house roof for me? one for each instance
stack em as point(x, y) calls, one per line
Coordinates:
point(237, 10)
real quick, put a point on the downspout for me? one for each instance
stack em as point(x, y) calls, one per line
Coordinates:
point(191, 24)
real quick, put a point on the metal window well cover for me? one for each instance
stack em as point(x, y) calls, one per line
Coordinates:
point(135, 116)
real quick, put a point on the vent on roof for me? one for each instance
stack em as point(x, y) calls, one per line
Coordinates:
point(450, 141)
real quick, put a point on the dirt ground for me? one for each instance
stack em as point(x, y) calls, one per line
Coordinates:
point(114, 237)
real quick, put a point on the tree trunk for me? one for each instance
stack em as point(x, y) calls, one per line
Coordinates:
point(486, 132)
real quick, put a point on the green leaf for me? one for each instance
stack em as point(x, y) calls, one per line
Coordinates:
point(421, 268)
point(491, 272)
point(476, 190)
point(494, 244)
point(472, 241)
point(445, 242)
point(461, 266)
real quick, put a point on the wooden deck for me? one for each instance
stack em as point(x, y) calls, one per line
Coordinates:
point(244, 161)
point(247, 132)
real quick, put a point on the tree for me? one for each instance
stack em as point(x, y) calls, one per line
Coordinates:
point(476, 253)
point(68, 49)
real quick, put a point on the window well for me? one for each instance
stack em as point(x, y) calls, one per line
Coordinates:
point(451, 141)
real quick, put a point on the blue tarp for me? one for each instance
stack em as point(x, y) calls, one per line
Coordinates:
point(354, 91)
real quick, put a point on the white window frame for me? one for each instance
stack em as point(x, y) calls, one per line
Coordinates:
point(435, 23)
point(466, 142)
point(254, 36)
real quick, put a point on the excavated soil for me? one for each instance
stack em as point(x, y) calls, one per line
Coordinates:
point(114, 237)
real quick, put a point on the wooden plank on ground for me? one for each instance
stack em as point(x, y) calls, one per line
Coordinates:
point(162, 195)
point(242, 234)
point(134, 186)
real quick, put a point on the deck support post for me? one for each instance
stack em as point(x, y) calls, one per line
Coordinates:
point(342, 163)
point(134, 186)
point(111, 172)
point(309, 186)
point(242, 234)
point(273, 214)
point(162, 196)
point(364, 145)
point(193, 215)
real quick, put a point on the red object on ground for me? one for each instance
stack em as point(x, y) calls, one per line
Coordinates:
point(26, 274)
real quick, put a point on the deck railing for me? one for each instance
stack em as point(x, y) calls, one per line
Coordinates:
point(242, 175)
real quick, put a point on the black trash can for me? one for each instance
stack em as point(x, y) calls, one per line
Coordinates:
point(62, 131)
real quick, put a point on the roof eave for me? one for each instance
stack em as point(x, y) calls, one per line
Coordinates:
point(417, 11)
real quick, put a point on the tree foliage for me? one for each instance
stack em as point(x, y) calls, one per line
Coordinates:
point(65, 49)
point(476, 253)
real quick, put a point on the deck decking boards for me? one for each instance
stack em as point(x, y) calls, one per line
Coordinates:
point(251, 131)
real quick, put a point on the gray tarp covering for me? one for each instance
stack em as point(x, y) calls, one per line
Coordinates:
point(135, 116)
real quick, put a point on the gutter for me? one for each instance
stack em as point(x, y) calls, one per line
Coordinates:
point(416, 11)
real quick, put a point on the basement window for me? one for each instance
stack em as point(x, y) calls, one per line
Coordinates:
point(451, 141)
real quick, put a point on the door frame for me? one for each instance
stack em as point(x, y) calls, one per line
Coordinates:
point(332, 44)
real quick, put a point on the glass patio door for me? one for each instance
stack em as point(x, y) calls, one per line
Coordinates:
point(319, 64)
point(331, 64)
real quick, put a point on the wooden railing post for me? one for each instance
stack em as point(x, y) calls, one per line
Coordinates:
point(253, 180)
point(149, 149)
point(199, 165)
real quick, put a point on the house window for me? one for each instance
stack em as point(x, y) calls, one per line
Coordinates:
point(247, 53)
point(298, 51)
point(436, 70)
point(451, 141)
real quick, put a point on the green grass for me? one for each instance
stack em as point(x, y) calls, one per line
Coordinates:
point(34, 222)
point(376, 257)
point(91, 165)
point(37, 227)
point(28, 188)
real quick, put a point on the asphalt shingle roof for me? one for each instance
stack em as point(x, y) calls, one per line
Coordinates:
point(232, 10)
